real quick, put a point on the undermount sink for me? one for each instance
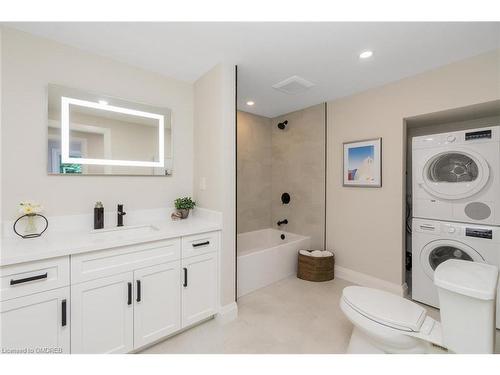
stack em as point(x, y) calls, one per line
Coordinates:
point(125, 231)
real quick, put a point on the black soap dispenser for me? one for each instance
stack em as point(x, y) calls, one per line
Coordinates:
point(98, 216)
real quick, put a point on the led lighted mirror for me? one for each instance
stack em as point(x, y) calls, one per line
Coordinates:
point(94, 134)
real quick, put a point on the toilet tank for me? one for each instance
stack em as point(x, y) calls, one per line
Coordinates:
point(467, 298)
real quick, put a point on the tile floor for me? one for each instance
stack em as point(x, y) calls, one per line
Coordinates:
point(291, 316)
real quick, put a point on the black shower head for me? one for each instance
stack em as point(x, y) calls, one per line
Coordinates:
point(282, 125)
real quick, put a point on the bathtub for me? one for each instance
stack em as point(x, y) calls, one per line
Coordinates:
point(264, 258)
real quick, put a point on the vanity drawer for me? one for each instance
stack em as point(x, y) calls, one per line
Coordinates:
point(97, 264)
point(200, 244)
point(23, 279)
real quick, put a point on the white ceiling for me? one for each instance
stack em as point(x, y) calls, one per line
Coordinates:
point(266, 53)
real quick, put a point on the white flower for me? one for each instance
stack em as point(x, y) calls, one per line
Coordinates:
point(27, 208)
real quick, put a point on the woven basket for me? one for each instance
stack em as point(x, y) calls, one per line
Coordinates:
point(315, 268)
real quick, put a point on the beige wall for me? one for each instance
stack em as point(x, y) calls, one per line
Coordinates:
point(298, 168)
point(215, 161)
point(254, 172)
point(29, 64)
point(365, 227)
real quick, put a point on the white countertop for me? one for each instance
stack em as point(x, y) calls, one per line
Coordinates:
point(58, 243)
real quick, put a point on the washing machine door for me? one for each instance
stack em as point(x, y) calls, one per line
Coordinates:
point(455, 174)
point(438, 251)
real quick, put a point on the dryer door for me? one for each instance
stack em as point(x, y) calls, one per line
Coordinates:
point(455, 174)
point(438, 251)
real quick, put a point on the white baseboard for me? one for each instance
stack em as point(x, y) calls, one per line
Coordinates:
point(405, 292)
point(227, 313)
point(369, 281)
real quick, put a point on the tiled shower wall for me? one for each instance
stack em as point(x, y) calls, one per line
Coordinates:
point(298, 168)
point(273, 161)
point(253, 172)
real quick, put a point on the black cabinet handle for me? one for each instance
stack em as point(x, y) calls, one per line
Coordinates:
point(185, 277)
point(63, 313)
point(28, 279)
point(138, 291)
point(129, 300)
point(201, 244)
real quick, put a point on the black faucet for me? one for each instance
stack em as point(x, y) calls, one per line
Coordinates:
point(281, 222)
point(120, 215)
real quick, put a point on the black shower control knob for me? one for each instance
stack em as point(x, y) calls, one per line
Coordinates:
point(285, 198)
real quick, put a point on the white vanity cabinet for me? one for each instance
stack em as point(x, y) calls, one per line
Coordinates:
point(120, 313)
point(199, 277)
point(199, 288)
point(35, 307)
point(38, 323)
point(102, 315)
point(118, 300)
point(128, 297)
point(157, 310)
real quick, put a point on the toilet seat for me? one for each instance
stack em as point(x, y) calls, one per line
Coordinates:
point(385, 308)
point(394, 324)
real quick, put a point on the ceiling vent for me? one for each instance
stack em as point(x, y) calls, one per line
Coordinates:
point(293, 85)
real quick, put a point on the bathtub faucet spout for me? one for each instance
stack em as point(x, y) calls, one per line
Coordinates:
point(281, 222)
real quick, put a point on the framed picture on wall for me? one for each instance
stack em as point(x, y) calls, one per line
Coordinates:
point(363, 163)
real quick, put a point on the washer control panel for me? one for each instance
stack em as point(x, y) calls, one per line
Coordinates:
point(478, 134)
point(486, 238)
point(479, 233)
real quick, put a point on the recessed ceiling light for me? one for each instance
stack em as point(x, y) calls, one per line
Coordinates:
point(250, 102)
point(366, 54)
point(103, 102)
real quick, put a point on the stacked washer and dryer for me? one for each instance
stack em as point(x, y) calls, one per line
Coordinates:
point(456, 204)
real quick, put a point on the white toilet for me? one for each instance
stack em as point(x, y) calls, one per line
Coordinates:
point(386, 323)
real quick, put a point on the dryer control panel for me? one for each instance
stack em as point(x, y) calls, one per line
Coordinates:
point(462, 137)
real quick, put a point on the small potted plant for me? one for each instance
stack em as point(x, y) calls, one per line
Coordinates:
point(184, 205)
